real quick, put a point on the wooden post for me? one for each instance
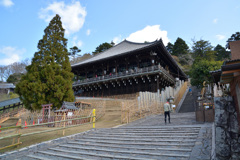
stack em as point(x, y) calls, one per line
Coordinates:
point(129, 115)
point(64, 123)
point(94, 117)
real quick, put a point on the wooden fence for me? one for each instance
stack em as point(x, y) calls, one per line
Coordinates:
point(148, 103)
point(38, 122)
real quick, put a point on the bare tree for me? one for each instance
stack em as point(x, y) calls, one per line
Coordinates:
point(16, 67)
point(1, 73)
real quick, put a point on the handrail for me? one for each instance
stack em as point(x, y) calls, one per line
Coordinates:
point(156, 68)
point(11, 127)
point(15, 135)
point(28, 134)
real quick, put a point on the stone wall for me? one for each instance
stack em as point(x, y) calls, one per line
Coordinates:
point(227, 129)
point(235, 93)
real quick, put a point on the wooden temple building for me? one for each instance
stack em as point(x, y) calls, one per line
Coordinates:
point(127, 68)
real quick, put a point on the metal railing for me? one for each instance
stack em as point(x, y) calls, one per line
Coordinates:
point(126, 74)
point(92, 120)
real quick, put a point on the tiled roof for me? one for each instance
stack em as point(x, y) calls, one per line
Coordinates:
point(9, 102)
point(231, 61)
point(216, 71)
point(121, 48)
point(69, 105)
point(6, 85)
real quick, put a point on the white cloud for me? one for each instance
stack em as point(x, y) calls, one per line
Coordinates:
point(72, 15)
point(149, 33)
point(6, 3)
point(117, 39)
point(215, 20)
point(220, 37)
point(10, 55)
point(77, 42)
point(88, 32)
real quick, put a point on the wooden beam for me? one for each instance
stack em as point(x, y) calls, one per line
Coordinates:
point(231, 71)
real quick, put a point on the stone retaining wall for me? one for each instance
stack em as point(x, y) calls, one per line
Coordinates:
point(227, 130)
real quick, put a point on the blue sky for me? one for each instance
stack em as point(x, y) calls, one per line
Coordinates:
point(89, 23)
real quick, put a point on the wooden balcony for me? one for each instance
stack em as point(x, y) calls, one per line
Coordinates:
point(128, 74)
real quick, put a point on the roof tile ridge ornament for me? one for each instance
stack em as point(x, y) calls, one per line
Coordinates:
point(140, 43)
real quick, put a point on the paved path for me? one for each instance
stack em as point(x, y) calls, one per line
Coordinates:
point(148, 138)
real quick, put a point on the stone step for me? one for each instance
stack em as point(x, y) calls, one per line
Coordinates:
point(139, 139)
point(156, 127)
point(101, 155)
point(145, 131)
point(131, 146)
point(35, 157)
point(152, 129)
point(59, 156)
point(132, 136)
point(146, 134)
point(180, 143)
point(114, 154)
point(115, 148)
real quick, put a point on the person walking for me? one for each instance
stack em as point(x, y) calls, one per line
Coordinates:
point(167, 109)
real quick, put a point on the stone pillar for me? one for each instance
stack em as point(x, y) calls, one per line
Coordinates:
point(227, 131)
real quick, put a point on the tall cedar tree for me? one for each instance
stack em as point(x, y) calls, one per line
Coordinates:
point(203, 50)
point(49, 77)
point(180, 47)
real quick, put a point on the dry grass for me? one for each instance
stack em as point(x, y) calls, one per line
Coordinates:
point(131, 111)
point(111, 118)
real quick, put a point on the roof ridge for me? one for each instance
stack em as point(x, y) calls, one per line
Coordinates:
point(138, 46)
point(98, 54)
point(141, 42)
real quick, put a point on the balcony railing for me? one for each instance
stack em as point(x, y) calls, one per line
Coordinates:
point(126, 74)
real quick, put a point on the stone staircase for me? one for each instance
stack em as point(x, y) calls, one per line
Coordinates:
point(188, 103)
point(138, 143)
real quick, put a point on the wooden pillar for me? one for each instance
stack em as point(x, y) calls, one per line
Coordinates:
point(77, 75)
point(126, 63)
point(102, 91)
point(116, 66)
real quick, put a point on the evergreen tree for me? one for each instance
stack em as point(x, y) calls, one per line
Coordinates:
point(48, 78)
point(74, 54)
point(234, 37)
point(202, 50)
point(74, 51)
point(200, 71)
point(102, 47)
point(221, 53)
point(169, 47)
point(14, 78)
point(180, 47)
